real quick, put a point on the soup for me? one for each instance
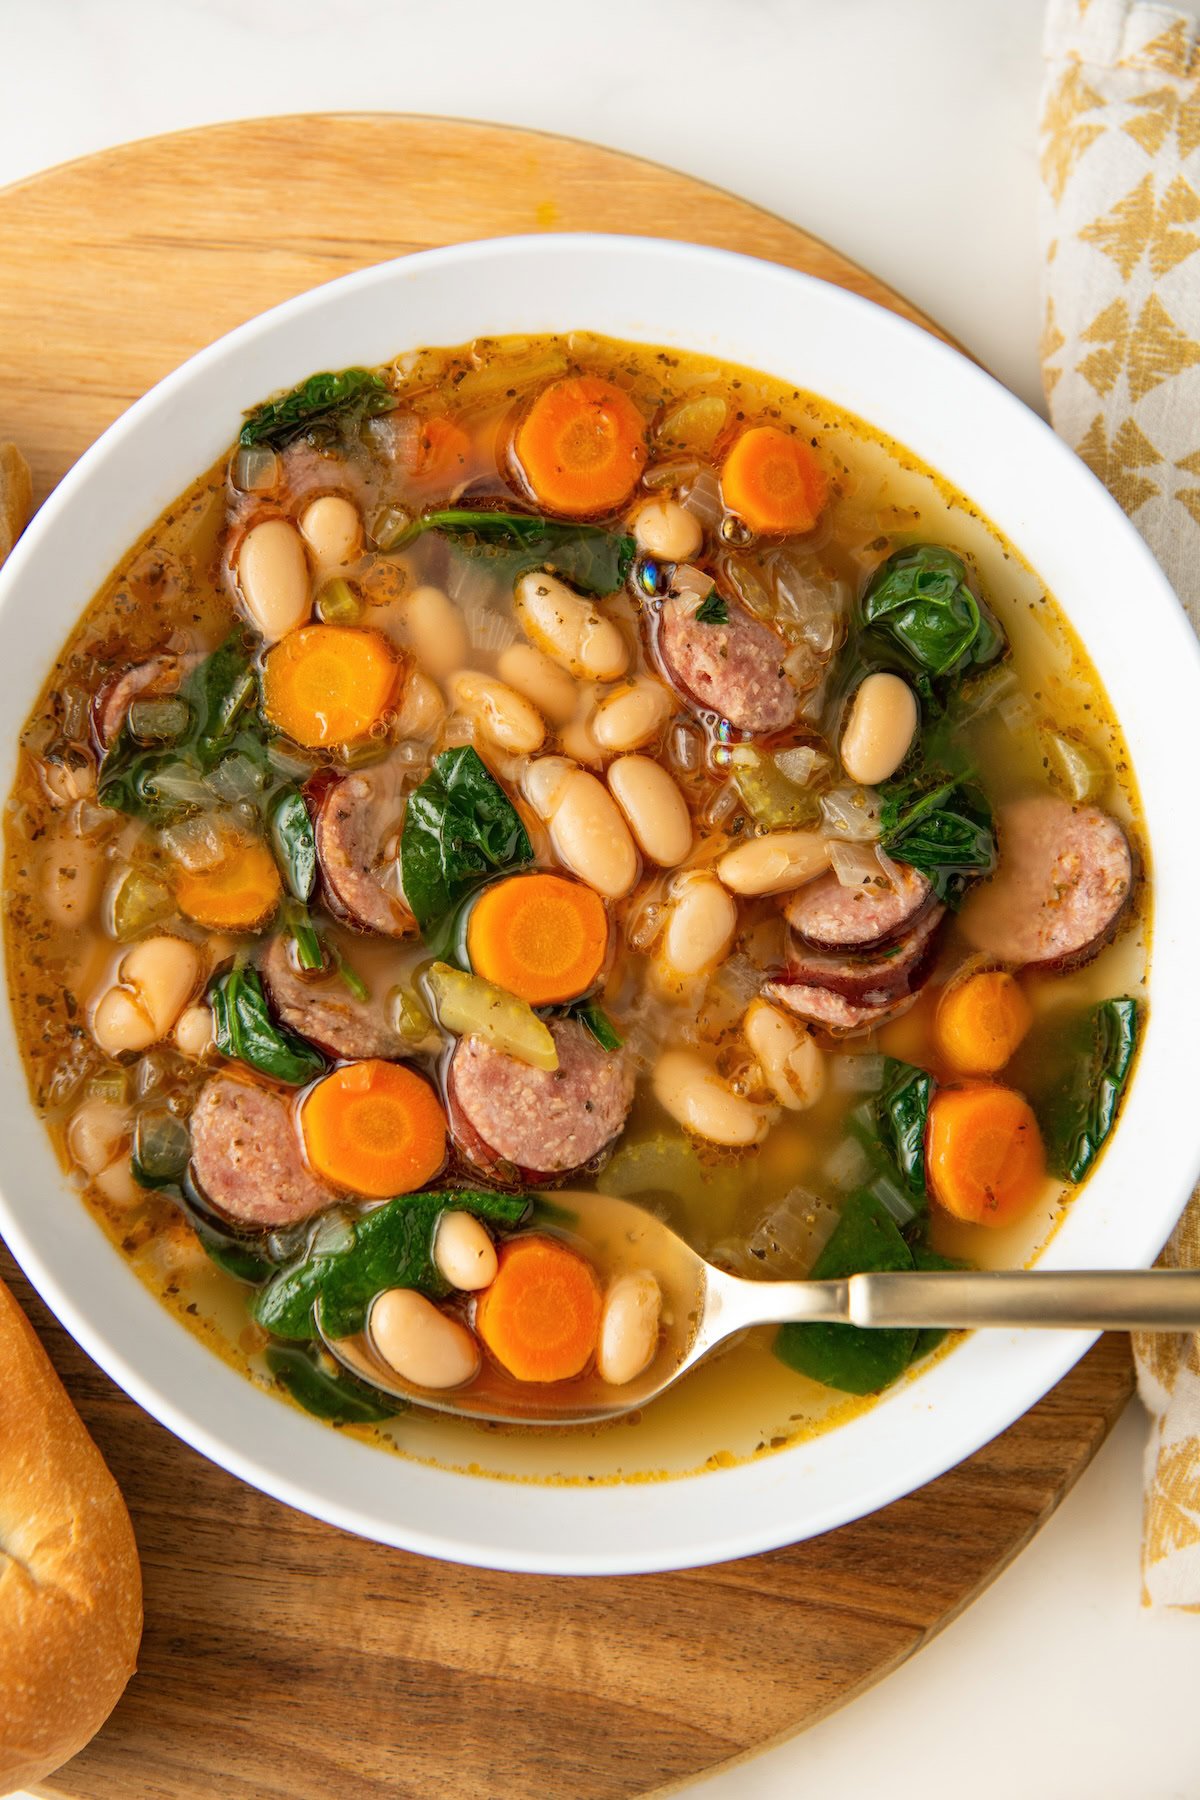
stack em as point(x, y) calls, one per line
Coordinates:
point(557, 765)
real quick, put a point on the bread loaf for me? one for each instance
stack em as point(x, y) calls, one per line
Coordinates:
point(70, 1584)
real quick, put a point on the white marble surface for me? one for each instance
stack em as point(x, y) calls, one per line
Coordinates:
point(903, 131)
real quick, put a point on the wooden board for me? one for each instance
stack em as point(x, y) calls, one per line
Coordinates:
point(284, 1660)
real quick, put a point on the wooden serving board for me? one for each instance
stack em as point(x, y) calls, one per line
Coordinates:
point(284, 1660)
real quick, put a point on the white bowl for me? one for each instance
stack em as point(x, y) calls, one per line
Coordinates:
point(992, 449)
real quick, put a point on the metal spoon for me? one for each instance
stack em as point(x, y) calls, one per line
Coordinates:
point(702, 1306)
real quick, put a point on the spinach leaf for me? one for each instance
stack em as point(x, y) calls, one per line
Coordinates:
point(942, 826)
point(600, 1026)
point(321, 408)
point(163, 782)
point(850, 1357)
point(459, 828)
point(1083, 1110)
point(294, 842)
point(920, 613)
point(337, 1398)
point(902, 1112)
point(244, 1029)
point(593, 559)
point(391, 1246)
point(712, 611)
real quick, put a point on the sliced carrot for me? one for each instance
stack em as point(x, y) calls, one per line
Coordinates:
point(329, 684)
point(581, 446)
point(981, 1021)
point(984, 1154)
point(542, 937)
point(444, 450)
point(540, 1318)
point(374, 1128)
point(237, 894)
point(773, 481)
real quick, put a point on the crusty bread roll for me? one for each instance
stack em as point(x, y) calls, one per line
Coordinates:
point(16, 496)
point(70, 1584)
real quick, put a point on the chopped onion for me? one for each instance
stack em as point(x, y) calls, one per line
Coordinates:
point(689, 582)
point(489, 630)
point(179, 783)
point(255, 469)
point(852, 814)
point(75, 714)
point(685, 748)
point(750, 588)
point(197, 844)
point(855, 865)
point(703, 499)
point(671, 472)
point(469, 582)
point(643, 926)
point(789, 1237)
point(848, 1165)
point(333, 1235)
point(856, 1074)
point(1017, 712)
point(722, 804)
point(801, 763)
point(237, 778)
point(891, 1195)
point(986, 691)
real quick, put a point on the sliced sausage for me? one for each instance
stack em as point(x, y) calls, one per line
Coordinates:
point(876, 978)
point(516, 1122)
point(246, 1155)
point(358, 844)
point(1064, 880)
point(833, 1012)
point(832, 917)
point(734, 669)
point(323, 1010)
point(157, 677)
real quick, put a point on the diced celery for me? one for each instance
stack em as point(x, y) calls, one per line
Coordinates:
point(1073, 766)
point(468, 1004)
point(139, 900)
point(338, 604)
point(767, 792)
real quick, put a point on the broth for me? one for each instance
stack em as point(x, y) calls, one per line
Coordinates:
point(86, 880)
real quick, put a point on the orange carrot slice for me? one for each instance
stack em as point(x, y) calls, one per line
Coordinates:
point(374, 1128)
point(329, 684)
point(984, 1154)
point(542, 937)
point(773, 481)
point(241, 892)
point(540, 1318)
point(581, 446)
point(981, 1021)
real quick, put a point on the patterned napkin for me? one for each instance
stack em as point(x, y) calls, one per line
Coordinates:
point(1120, 164)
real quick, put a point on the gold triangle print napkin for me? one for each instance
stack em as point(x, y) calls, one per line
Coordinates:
point(1120, 168)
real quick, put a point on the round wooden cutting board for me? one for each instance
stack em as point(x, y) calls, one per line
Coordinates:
point(282, 1657)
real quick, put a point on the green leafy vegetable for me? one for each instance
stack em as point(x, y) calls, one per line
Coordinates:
point(600, 1026)
point(712, 611)
point(941, 826)
point(244, 1029)
point(163, 782)
point(850, 1357)
point(321, 408)
point(902, 1112)
point(352, 980)
point(337, 1398)
point(294, 842)
point(1083, 1110)
point(460, 828)
point(303, 933)
point(391, 1246)
point(921, 614)
point(593, 559)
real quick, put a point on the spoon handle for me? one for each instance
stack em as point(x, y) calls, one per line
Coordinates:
point(1103, 1300)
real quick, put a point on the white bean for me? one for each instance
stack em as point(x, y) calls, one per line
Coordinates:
point(503, 716)
point(464, 1253)
point(533, 674)
point(655, 810)
point(120, 1022)
point(577, 737)
point(700, 925)
point(790, 1059)
point(631, 715)
point(422, 1344)
point(272, 572)
point(774, 863)
point(333, 530)
point(422, 708)
point(879, 729)
point(436, 631)
point(117, 1184)
point(664, 528)
point(98, 1131)
point(194, 1031)
point(587, 833)
point(628, 1327)
point(570, 628)
point(164, 973)
point(688, 1087)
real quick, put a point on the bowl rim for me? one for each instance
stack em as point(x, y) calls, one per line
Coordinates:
point(285, 1453)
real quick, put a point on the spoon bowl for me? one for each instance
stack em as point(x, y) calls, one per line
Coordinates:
point(702, 1306)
